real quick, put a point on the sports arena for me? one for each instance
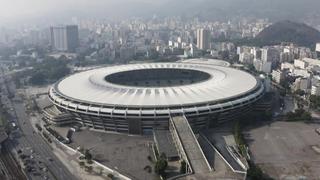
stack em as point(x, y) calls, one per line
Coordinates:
point(138, 98)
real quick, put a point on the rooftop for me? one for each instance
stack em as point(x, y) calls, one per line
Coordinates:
point(93, 88)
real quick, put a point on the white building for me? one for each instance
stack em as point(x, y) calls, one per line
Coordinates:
point(256, 52)
point(312, 62)
point(203, 39)
point(246, 58)
point(315, 90)
point(287, 66)
point(318, 47)
point(300, 64)
point(318, 50)
point(64, 38)
point(278, 76)
point(302, 84)
point(243, 49)
point(286, 57)
point(262, 66)
point(270, 55)
point(301, 72)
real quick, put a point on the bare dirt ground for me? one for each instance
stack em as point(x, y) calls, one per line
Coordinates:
point(286, 150)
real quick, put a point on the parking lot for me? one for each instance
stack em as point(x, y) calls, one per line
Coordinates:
point(286, 150)
point(126, 154)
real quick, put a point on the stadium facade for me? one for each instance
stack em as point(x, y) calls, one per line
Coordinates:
point(137, 98)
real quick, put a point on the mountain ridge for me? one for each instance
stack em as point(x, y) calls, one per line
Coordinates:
point(289, 31)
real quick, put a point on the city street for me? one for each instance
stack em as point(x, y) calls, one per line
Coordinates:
point(30, 142)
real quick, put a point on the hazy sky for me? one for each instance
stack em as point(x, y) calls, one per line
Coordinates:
point(15, 8)
point(54, 10)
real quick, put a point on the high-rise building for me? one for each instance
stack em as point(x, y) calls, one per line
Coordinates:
point(315, 90)
point(270, 55)
point(263, 66)
point(203, 39)
point(246, 58)
point(278, 76)
point(302, 84)
point(64, 38)
point(318, 49)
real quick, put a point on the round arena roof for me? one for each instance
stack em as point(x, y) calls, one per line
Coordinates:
point(156, 84)
point(205, 61)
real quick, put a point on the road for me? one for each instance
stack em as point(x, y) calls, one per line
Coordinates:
point(9, 167)
point(30, 141)
point(288, 105)
point(39, 145)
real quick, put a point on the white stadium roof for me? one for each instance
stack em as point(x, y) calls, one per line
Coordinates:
point(214, 62)
point(91, 87)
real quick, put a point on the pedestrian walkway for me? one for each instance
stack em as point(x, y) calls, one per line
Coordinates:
point(196, 158)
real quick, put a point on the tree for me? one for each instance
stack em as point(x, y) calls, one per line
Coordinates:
point(314, 101)
point(37, 78)
point(161, 165)
point(299, 115)
point(111, 176)
point(87, 155)
point(89, 168)
point(306, 116)
point(255, 173)
point(183, 166)
point(234, 59)
point(81, 163)
point(224, 55)
point(300, 92)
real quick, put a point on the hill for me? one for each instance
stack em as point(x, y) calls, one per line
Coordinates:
point(288, 31)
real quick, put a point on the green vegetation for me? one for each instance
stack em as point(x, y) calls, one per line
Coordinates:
point(81, 157)
point(156, 152)
point(247, 120)
point(88, 156)
point(81, 164)
point(82, 62)
point(111, 176)
point(183, 166)
point(255, 173)
point(299, 92)
point(2, 122)
point(3, 116)
point(238, 136)
point(88, 169)
point(47, 71)
point(314, 101)
point(299, 115)
point(288, 31)
point(150, 158)
point(161, 165)
point(283, 31)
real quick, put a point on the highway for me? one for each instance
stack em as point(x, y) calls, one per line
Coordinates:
point(30, 141)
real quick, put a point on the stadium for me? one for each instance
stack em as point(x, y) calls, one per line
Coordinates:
point(138, 98)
